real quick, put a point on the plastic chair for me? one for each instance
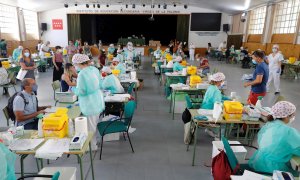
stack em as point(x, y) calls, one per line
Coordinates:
point(192, 104)
point(55, 176)
point(12, 82)
point(130, 88)
point(237, 168)
point(119, 125)
point(56, 86)
point(5, 112)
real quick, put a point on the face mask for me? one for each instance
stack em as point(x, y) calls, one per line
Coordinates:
point(26, 54)
point(34, 88)
point(77, 68)
point(253, 61)
point(222, 84)
point(292, 120)
point(274, 50)
point(60, 50)
point(197, 59)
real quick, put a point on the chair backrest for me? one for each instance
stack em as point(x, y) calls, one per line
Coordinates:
point(5, 112)
point(56, 86)
point(12, 77)
point(188, 101)
point(56, 176)
point(230, 154)
point(130, 88)
point(129, 111)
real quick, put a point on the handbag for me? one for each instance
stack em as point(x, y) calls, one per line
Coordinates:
point(21, 74)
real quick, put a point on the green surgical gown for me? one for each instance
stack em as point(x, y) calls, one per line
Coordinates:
point(112, 83)
point(212, 95)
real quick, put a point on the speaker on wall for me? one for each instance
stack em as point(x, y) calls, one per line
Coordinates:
point(44, 26)
point(225, 27)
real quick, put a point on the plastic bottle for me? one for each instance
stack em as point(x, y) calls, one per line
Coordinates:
point(258, 103)
point(71, 128)
point(40, 128)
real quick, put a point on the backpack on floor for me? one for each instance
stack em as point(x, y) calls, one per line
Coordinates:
point(10, 105)
point(220, 167)
point(186, 116)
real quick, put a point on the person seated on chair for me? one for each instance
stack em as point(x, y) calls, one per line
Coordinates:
point(277, 141)
point(246, 60)
point(68, 78)
point(118, 66)
point(3, 75)
point(177, 65)
point(204, 66)
point(213, 93)
point(25, 105)
point(110, 81)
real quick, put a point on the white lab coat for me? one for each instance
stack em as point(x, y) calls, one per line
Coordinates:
point(192, 52)
point(274, 71)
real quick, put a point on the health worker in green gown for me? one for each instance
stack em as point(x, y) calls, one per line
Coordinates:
point(116, 64)
point(88, 90)
point(110, 81)
point(213, 93)
point(177, 66)
point(277, 141)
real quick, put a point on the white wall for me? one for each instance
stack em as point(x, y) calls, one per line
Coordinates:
point(60, 37)
point(56, 37)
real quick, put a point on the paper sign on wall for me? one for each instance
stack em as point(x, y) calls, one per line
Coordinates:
point(57, 24)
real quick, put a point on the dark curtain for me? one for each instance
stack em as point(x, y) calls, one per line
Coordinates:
point(74, 28)
point(182, 33)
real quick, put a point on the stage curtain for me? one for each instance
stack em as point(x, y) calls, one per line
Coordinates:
point(182, 33)
point(74, 27)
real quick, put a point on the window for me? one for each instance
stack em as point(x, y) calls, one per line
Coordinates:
point(286, 17)
point(31, 23)
point(8, 20)
point(257, 20)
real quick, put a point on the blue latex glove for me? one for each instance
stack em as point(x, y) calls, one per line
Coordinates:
point(201, 118)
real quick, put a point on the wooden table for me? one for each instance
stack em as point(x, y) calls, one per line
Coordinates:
point(78, 153)
point(196, 123)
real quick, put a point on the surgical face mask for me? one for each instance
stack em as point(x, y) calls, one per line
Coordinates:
point(198, 59)
point(253, 61)
point(274, 50)
point(34, 87)
point(27, 54)
point(222, 84)
point(292, 120)
point(77, 68)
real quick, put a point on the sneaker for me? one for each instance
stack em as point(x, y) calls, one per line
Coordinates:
point(277, 93)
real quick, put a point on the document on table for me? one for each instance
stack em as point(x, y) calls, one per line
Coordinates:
point(25, 144)
point(248, 175)
point(116, 98)
point(51, 110)
point(53, 148)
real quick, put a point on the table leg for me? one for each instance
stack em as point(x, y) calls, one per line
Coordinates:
point(171, 103)
point(81, 169)
point(174, 102)
point(220, 132)
point(247, 139)
point(195, 144)
point(22, 164)
point(92, 164)
point(37, 164)
point(136, 97)
point(42, 163)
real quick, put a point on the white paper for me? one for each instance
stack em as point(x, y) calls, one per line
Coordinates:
point(25, 144)
point(51, 110)
point(248, 175)
point(205, 112)
point(131, 129)
point(217, 111)
point(53, 148)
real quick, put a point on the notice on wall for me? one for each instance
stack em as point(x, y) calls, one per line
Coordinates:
point(57, 24)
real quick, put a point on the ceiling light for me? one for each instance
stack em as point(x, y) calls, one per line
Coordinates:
point(185, 6)
point(87, 5)
point(66, 5)
point(144, 5)
point(126, 5)
point(174, 5)
point(107, 5)
point(244, 14)
point(133, 6)
point(165, 6)
point(98, 5)
point(75, 4)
